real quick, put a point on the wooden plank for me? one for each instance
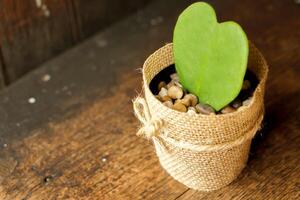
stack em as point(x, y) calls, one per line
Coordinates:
point(2, 80)
point(32, 32)
point(95, 15)
point(78, 139)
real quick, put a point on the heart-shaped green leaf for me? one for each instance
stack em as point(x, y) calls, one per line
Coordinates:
point(210, 57)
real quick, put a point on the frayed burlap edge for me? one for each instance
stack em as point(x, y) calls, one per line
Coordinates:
point(203, 152)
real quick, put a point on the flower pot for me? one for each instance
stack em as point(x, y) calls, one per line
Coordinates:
point(204, 152)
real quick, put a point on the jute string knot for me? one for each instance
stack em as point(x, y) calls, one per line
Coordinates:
point(151, 126)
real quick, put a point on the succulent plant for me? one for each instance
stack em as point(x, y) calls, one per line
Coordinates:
point(210, 57)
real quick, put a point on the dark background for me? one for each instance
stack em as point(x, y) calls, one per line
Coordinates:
point(33, 31)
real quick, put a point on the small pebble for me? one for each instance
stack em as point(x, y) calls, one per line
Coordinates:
point(193, 99)
point(204, 109)
point(236, 104)
point(174, 77)
point(5, 145)
point(158, 97)
point(166, 98)
point(246, 85)
point(191, 112)
point(175, 92)
point(178, 84)
point(247, 102)
point(184, 101)
point(103, 159)
point(192, 108)
point(170, 84)
point(227, 109)
point(163, 92)
point(179, 107)
point(168, 104)
point(31, 100)
point(161, 85)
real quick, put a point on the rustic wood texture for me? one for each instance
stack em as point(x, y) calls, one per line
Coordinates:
point(77, 141)
point(33, 31)
point(2, 80)
point(94, 15)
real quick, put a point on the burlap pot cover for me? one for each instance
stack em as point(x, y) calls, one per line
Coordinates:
point(204, 152)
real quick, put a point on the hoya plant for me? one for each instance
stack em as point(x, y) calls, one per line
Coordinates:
point(210, 57)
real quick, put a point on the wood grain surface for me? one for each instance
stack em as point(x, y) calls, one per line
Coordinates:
point(2, 80)
point(95, 15)
point(77, 140)
point(34, 31)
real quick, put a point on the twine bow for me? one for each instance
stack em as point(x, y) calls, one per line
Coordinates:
point(151, 129)
point(151, 126)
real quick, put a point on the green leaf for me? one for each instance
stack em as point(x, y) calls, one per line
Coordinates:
point(210, 57)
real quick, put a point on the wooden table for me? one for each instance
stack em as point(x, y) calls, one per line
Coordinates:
point(67, 130)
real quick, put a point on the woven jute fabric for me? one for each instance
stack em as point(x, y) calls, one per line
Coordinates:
point(204, 152)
